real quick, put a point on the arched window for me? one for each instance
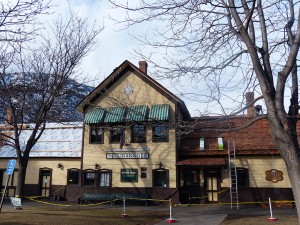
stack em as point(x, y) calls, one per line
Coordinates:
point(105, 178)
point(73, 176)
point(89, 178)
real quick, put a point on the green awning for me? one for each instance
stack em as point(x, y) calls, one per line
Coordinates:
point(137, 113)
point(115, 115)
point(95, 115)
point(159, 112)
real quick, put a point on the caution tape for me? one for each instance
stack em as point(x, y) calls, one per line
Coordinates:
point(240, 203)
point(58, 204)
point(207, 195)
point(35, 199)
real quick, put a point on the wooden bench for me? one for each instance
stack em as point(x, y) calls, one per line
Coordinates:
point(132, 197)
point(95, 197)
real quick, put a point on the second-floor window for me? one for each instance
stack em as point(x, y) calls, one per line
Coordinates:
point(160, 133)
point(96, 135)
point(115, 135)
point(138, 134)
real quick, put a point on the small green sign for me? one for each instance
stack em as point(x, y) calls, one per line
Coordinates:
point(129, 175)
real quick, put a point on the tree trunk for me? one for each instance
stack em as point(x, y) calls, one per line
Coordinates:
point(285, 137)
point(21, 177)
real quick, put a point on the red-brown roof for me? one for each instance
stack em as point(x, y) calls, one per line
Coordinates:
point(202, 161)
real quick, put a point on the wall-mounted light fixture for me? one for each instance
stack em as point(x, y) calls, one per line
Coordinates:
point(160, 165)
point(60, 166)
point(97, 166)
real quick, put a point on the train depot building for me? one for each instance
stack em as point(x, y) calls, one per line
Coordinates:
point(138, 138)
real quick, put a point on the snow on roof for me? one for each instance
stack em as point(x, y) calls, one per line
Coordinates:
point(58, 140)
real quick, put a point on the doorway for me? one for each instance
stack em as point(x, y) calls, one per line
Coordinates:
point(45, 182)
point(212, 184)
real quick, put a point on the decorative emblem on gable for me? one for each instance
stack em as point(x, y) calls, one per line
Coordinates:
point(274, 175)
point(128, 89)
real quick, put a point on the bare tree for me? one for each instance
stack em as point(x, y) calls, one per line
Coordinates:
point(255, 43)
point(41, 79)
point(18, 18)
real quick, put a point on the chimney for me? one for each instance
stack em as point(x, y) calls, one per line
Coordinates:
point(143, 66)
point(249, 98)
point(9, 117)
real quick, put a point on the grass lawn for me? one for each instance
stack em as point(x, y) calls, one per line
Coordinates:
point(49, 215)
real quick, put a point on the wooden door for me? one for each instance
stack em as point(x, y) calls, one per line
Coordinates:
point(45, 182)
point(212, 184)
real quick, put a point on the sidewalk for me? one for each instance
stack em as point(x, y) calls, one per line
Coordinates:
point(215, 214)
point(194, 215)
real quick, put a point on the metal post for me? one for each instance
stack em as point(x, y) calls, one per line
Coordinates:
point(4, 192)
point(124, 209)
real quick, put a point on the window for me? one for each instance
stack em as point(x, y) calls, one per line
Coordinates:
point(144, 172)
point(105, 178)
point(138, 134)
point(160, 178)
point(73, 177)
point(115, 135)
point(160, 133)
point(96, 135)
point(242, 177)
point(191, 177)
point(89, 178)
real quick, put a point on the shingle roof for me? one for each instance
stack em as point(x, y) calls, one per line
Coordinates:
point(58, 140)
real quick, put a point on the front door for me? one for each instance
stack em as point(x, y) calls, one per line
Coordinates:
point(212, 184)
point(45, 182)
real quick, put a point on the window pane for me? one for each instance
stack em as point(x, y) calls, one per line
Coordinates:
point(138, 134)
point(96, 135)
point(73, 176)
point(160, 133)
point(191, 177)
point(89, 178)
point(115, 135)
point(242, 177)
point(104, 179)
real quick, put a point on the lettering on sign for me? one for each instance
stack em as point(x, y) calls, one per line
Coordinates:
point(129, 175)
point(274, 175)
point(134, 155)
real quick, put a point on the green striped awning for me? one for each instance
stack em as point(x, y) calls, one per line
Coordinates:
point(115, 115)
point(159, 112)
point(137, 113)
point(95, 115)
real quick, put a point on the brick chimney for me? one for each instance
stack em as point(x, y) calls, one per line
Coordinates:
point(143, 66)
point(249, 98)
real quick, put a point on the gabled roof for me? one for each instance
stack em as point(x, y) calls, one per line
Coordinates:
point(117, 74)
point(57, 141)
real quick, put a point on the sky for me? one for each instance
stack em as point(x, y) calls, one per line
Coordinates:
point(114, 44)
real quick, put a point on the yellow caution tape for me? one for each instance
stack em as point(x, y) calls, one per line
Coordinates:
point(34, 198)
point(207, 195)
